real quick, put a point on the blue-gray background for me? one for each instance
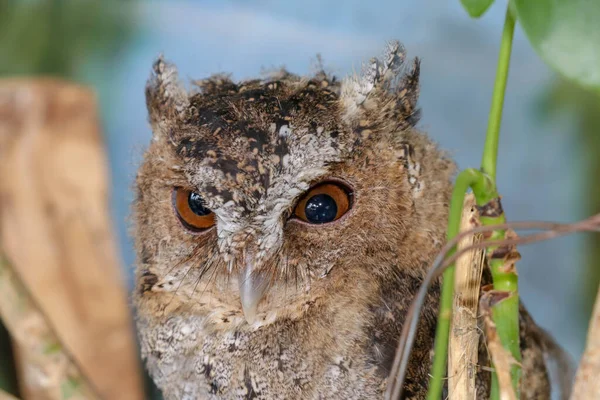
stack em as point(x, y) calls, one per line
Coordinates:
point(544, 161)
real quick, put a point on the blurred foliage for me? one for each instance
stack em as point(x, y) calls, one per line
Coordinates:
point(566, 35)
point(57, 37)
point(584, 106)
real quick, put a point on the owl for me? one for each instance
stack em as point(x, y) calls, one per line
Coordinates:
point(283, 226)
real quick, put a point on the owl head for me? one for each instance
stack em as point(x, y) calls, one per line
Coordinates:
point(277, 197)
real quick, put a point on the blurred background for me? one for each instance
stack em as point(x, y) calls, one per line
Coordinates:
point(546, 169)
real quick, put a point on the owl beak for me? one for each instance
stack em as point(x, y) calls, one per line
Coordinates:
point(253, 286)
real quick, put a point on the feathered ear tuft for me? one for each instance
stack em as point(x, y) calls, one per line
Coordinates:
point(407, 95)
point(166, 99)
point(380, 82)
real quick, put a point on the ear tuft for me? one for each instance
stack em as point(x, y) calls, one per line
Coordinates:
point(166, 99)
point(383, 79)
point(391, 66)
point(407, 94)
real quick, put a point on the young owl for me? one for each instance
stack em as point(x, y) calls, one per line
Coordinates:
point(283, 227)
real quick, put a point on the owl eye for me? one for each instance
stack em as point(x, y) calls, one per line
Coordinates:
point(324, 203)
point(191, 210)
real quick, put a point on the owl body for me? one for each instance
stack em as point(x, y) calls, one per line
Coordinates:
point(283, 227)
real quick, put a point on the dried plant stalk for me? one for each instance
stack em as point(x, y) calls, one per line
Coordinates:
point(55, 228)
point(464, 333)
point(587, 382)
point(501, 357)
point(51, 371)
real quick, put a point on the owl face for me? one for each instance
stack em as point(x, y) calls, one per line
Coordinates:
point(258, 200)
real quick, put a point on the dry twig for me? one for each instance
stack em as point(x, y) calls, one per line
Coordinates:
point(501, 358)
point(464, 332)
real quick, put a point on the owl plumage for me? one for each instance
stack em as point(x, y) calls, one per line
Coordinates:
point(263, 304)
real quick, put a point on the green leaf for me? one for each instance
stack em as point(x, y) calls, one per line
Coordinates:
point(566, 35)
point(476, 8)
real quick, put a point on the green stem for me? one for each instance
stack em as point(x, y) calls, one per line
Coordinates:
point(490, 148)
point(506, 313)
point(465, 180)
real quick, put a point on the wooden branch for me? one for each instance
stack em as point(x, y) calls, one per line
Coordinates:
point(464, 333)
point(587, 380)
point(55, 230)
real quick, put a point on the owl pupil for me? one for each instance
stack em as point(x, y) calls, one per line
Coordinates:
point(320, 209)
point(197, 204)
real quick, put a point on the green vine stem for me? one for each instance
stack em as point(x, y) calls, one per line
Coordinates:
point(490, 148)
point(505, 313)
point(466, 179)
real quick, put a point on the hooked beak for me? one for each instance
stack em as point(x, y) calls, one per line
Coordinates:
point(253, 286)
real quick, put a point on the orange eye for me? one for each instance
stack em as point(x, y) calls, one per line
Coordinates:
point(324, 203)
point(191, 210)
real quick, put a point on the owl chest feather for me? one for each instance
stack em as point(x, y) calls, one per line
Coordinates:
point(287, 359)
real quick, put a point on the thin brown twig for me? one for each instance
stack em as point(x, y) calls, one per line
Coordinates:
point(554, 229)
